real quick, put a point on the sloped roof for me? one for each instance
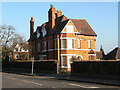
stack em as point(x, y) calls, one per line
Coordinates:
point(22, 44)
point(91, 52)
point(60, 23)
point(114, 54)
point(83, 27)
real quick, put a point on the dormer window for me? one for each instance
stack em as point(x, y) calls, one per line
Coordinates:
point(38, 34)
point(43, 31)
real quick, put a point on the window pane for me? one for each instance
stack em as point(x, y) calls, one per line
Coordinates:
point(70, 43)
point(89, 44)
point(91, 57)
point(45, 45)
point(64, 61)
point(38, 46)
point(63, 43)
point(79, 42)
point(56, 43)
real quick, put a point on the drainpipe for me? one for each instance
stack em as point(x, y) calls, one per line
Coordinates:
point(58, 68)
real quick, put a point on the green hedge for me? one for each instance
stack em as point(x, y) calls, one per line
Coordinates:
point(96, 67)
point(40, 66)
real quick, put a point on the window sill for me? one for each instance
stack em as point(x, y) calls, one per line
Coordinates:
point(64, 67)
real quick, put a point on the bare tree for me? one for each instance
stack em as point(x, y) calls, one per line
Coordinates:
point(8, 38)
point(6, 35)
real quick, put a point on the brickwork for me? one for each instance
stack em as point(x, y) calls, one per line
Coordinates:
point(51, 45)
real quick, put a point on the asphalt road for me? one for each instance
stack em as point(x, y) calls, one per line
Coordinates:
point(10, 80)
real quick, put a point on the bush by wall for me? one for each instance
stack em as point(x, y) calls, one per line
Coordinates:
point(99, 68)
point(39, 66)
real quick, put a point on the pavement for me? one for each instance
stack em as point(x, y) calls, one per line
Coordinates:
point(96, 80)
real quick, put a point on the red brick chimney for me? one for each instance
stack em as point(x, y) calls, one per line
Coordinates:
point(31, 26)
point(51, 17)
point(58, 13)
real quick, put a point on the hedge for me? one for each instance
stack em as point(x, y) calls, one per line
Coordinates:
point(39, 66)
point(96, 67)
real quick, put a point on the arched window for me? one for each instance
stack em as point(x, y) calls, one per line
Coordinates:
point(16, 56)
point(79, 57)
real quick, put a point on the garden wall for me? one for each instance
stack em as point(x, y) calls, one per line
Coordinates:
point(96, 68)
point(39, 66)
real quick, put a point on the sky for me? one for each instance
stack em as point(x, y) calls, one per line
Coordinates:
point(101, 16)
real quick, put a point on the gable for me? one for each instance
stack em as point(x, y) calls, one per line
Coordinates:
point(69, 28)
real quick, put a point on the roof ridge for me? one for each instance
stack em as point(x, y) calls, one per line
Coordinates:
point(78, 19)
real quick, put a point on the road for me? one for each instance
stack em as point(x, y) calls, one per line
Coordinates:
point(10, 80)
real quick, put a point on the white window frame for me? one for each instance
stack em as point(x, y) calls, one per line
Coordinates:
point(89, 43)
point(69, 66)
point(92, 57)
point(80, 56)
point(79, 43)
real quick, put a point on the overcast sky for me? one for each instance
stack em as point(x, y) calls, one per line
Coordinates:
point(102, 17)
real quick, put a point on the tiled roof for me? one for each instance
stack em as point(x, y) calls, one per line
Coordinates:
point(83, 27)
point(114, 54)
point(91, 52)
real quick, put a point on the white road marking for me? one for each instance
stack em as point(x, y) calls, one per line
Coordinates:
point(53, 87)
point(10, 78)
point(31, 82)
point(23, 80)
point(82, 86)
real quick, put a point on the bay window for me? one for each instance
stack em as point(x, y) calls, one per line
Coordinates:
point(63, 43)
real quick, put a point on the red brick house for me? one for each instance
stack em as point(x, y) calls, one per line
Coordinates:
point(20, 51)
point(62, 39)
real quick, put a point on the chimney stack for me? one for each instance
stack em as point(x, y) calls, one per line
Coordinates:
point(58, 13)
point(31, 26)
point(51, 17)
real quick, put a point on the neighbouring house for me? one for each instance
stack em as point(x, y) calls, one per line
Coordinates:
point(21, 51)
point(62, 39)
point(114, 54)
point(99, 55)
